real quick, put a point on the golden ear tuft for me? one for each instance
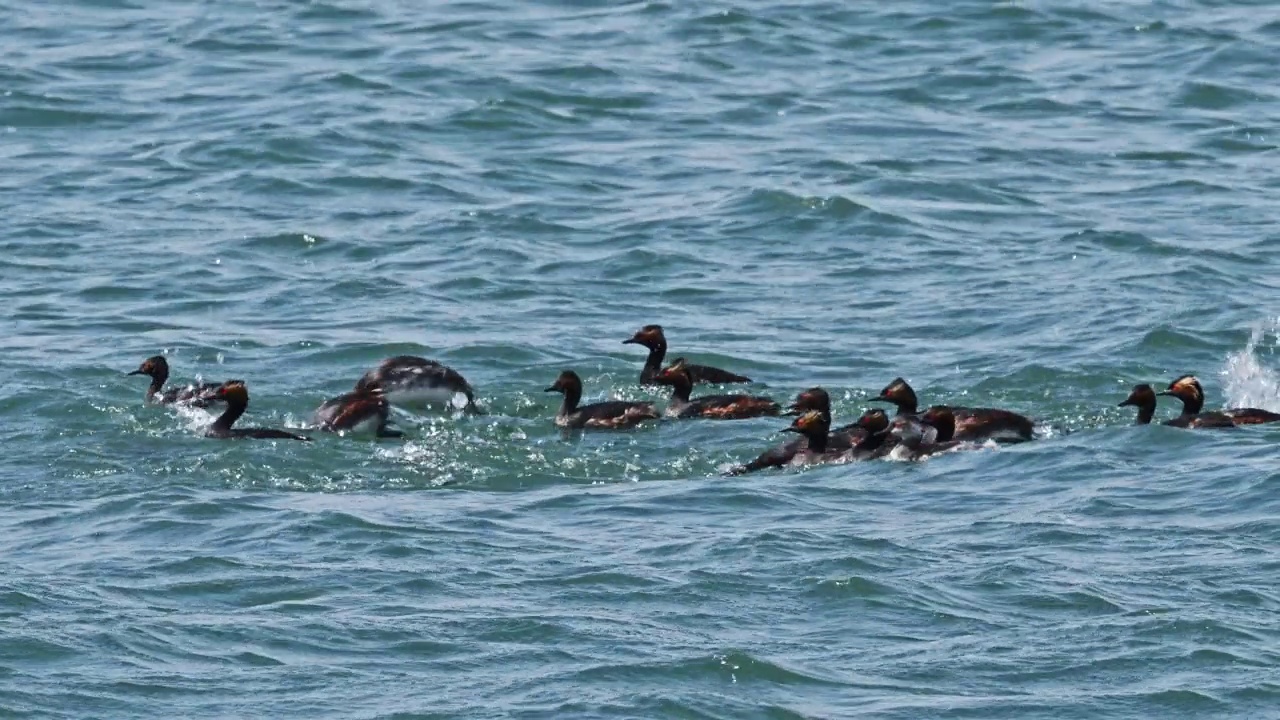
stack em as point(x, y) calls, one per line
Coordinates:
point(1186, 383)
point(809, 420)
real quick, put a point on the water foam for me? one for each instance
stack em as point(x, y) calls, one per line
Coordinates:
point(1247, 382)
point(196, 420)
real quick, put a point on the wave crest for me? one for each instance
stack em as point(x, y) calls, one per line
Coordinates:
point(1247, 382)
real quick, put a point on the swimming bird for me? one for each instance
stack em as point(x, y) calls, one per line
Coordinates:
point(1142, 397)
point(873, 435)
point(611, 414)
point(364, 410)
point(814, 399)
point(408, 380)
point(1187, 389)
point(236, 396)
point(971, 423)
point(715, 407)
point(652, 337)
point(943, 420)
point(158, 369)
point(1251, 416)
point(814, 427)
point(865, 439)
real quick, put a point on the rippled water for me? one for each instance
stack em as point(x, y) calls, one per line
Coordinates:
point(1011, 204)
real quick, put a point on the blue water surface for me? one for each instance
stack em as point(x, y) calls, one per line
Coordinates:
point(1016, 204)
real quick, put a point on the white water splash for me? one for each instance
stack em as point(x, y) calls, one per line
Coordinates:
point(197, 420)
point(1246, 380)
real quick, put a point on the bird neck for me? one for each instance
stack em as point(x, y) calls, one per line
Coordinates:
point(235, 408)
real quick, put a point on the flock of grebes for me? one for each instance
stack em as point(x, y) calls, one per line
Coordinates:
point(909, 434)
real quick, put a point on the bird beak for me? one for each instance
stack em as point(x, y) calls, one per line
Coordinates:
point(793, 410)
point(553, 388)
point(1126, 401)
point(135, 372)
point(1165, 392)
point(632, 341)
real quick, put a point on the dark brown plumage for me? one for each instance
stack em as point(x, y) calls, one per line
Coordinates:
point(411, 381)
point(813, 399)
point(1187, 389)
point(236, 396)
point(363, 410)
point(1143, 398)
point(714, 407)
point(157, 368)
point(814, 427)
point(971, 423)
point(652, 337)
point(609, 415)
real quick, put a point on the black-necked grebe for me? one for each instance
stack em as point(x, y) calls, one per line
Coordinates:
point(971, 423)
point(815, 428)
point(1187, 389)
point(652, 337)
point(611, 414)
point(157, 368)
point(1142, 397)
point(411, 381)
point(715, 407)
point(236, 396)
point(359, 411)
point(814, 399)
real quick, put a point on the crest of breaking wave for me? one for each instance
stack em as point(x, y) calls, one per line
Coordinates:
point(1250, 377)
